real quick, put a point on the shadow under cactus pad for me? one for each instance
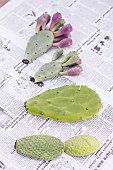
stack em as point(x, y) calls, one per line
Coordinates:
point(67, 103)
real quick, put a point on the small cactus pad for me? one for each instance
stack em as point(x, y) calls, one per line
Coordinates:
point(67, 103)
point(57, 54)
point(54, 68)
point(38, 44)
point(42, 147)
point(81, 145)
point(48, 71)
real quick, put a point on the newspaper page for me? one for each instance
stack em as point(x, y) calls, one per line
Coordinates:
point(92, 36)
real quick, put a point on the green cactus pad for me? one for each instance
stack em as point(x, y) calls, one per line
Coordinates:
point(57, 54)
point(47, 71)
point(81, 145)
point(67, 103)
point(42, 147)
point(54, 68)
point(38, 44)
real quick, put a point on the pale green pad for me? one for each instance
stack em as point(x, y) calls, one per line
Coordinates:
point(42, 147)
point(38, 44)
point(47, 71)
point(67, 103)
point(81, 145)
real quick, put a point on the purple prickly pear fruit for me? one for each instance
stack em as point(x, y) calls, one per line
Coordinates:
point(74, 71)
point(57, 39)
point(55, 19)
point(63, 43)
point(78, 62)
point(64, 30)
point(45, 21)
point(42, 21)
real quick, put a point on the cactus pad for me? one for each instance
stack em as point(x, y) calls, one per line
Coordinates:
point(44, 38)
point(67, 103)
point(42, 147)
point(47, 71)
point(81, 145)
point(70, 66)
point(38, 44)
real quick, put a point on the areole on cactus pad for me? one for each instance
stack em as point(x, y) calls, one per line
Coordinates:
point(67, 103)
point(58, 35)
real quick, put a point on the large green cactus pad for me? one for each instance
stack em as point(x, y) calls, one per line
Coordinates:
point(42, 147)
point(81, 145)
point(38, 44)
point(67, 103)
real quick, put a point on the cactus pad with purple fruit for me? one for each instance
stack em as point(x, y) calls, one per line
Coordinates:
point(58, 35)
point(69, 66)
point(67, 103)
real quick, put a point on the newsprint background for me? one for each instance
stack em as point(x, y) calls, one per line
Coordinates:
point(92, 35)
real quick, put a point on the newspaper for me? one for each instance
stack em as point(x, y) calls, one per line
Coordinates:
point(92, 36)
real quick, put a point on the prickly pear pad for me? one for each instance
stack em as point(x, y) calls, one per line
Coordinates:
point(67, 103)
point(47, 71)
point(81, 145)
point(45, 38)
point(69, 66)
point(38, 44)
point(42, 147)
